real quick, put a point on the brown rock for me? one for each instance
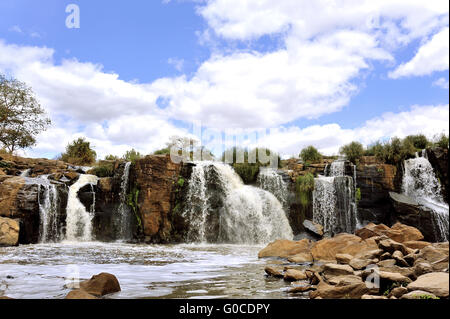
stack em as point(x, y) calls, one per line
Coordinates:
point(305, 257)
point(399, 232)
point(373, 297)
point(313, 227)
point(284, 248)
point(343, 258)
point(422, 268)
point(327, 291)
point(387, 263)
point(414, 244)
point(345, 280)
point(419, 294)
point(337, 270)
point(101, 284)
point(295, 275)
point(359, 264)
point(385, 256)
point(390, 246)
point(327, 249)
point(9, 232)
point(398, 292)
point(434, 253)
point(301, 288)
point(274, 271)
point(79, 294)
point(436, 283)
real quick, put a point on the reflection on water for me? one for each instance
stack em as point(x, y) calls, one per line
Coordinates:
point(144, 271)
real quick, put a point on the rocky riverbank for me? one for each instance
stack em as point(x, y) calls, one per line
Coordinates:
point(378, 262)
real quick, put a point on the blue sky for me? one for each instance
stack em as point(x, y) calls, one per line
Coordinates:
point(313, 80)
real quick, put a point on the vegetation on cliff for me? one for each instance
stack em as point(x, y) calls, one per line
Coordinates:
point(310, 155)
point(79, 152)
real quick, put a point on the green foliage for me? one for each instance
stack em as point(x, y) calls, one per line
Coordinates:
point(21, 116)
point(132, 201)
point(441, 141)
point(304, 186)
point(358, 194)
point(103, 170)
point(248, 172)
point(111, 157)
point(79, 152)
point(310, 155)
point(181, 182)
point(419, 141)
point(426, 297)
point(132, 156)
point(374, 149)
point(353, 151)
point(162, 151)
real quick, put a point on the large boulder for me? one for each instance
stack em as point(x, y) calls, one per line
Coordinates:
point(101, 284)
point(314, 228)
point(80, 294)
point(284, 248)
point(9, 232)
point(353, 291)
point(399, 232)
point(436, 283)
point(438, 158)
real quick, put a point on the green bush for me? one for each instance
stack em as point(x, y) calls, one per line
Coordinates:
point(441, 141)
point(358, 194)
point(79, 152)
point(111, 157)
point(374, 149)
point(310, 155)
point(419, 141)
point(304, 186)
point(247, 172)
point(353, 151)
point(163, 151)
point(132, 156)
point(103, 170)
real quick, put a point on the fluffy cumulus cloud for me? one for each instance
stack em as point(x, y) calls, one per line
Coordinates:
point(325, 50)
point(431, 56)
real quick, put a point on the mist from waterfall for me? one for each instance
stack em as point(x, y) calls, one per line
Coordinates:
point(221, 208)
point(78, 219)
point(334, 202)
point(123, 212)
point(420, 183)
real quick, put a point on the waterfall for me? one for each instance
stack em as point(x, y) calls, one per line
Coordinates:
point(78, 219)
point(271, 181)
point(334, 203)
point(123, 209)
point(48, 211)
point(25, 173)
point(221, 208)
point(420, 183)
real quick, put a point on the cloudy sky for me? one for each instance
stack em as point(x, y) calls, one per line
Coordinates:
point(304, 72)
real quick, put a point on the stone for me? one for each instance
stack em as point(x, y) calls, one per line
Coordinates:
point(274, 272)
point(391, 246)
point(373, 297)
point(418, 294)
point(433, 253)
point(79, 294)
point(337, 270)
point(400, 261)
point(438, 158)
point(305, 257)
point(399, 232)
point(284, 248)
point(404, 271)
point(101, 284)
point(312, 227)
point(422, 268)
point(301, 288)
point(358, 264)
point(295, 275)
point(398, 292)
point(9, 232)
point(343, 258)
point(371, 254)
point(327, 249)
point(387, 263)
point(414, 244)
point(385, 256)
point(436, 283)
point(344, 280)
point(327, 291)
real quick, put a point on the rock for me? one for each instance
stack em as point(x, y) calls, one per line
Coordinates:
point(410, 259)
point(313, 277)
point(302, 288)
point(387, 263)
point(386, 256)
point(386, 279)
point(9, 232)
point(438, 158)
point(391, 246)
point(274, 272)
point(284, 248)
point(337, 270)
point(404, 271)
point(313, 227)
point(343, 258)
point(398, 232)
point(434, 253)
point(422, 268)
point(101, 284)
point(6, 298)
point(418, 294)
point(301, 258)
point(414, 244)
point(373, 297)
point(327, 249)
point(398, 292)
point(436, 283)
point(345, 280)
point(358, 264)
point(398, 256)
point(79, 294)
point(295, 275)
point(371, 254)
point(408, 211)
point(327, 291)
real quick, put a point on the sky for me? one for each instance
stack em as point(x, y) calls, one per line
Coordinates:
point(284, 74)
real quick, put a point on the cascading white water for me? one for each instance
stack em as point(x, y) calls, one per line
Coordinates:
point(123, 209)
point(420, 183)
point(48, 211)
point(271, 181)
point(334, 203)
point(25, 173)
point(78, 219)
point(218, 198)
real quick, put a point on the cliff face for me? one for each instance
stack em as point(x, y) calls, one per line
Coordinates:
point(438, 158)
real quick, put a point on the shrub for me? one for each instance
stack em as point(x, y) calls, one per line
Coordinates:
point(111, 157)
point(103, 170)
point(441, 141)
point(132, 156)
point(162, 151)
point(247, 172)
point(79, 152)
point(419, 141)
point(310, 155)
point(304, 186)
point(353, 151)
point(374, 149)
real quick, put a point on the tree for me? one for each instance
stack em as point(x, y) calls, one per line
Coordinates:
point(111, 157)
point(79, 152)
point(353, 151)
point(419, 141)
point(441, 140)
point(132, 156)
point(310, 155)
point(21, 116)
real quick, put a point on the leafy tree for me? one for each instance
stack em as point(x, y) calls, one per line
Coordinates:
point(132, 156)
point(419, 141)
point(310, 155)
point(111, 157)
point(21, 116)
point(374, 149)
point(353, 151)
point(441, 141)
point(79, 152)
point(304, 185)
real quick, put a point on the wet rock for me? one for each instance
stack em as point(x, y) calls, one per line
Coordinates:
point(101, 284)
point(337, 270)
point(313, 227)
point(295, 275)
point(274, 271)
point(302, 288)
point(9, 232)
point(79, 294)
point(418, 294)
point(436, 283)
point(398, 292)
point(285, 248)
point(301, 258)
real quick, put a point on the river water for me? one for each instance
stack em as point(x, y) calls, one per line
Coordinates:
point(144, 271)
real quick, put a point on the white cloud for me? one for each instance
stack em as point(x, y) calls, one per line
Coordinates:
point(442, 83)
point(178, 64)
point(432, 56)
point(16, 29)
